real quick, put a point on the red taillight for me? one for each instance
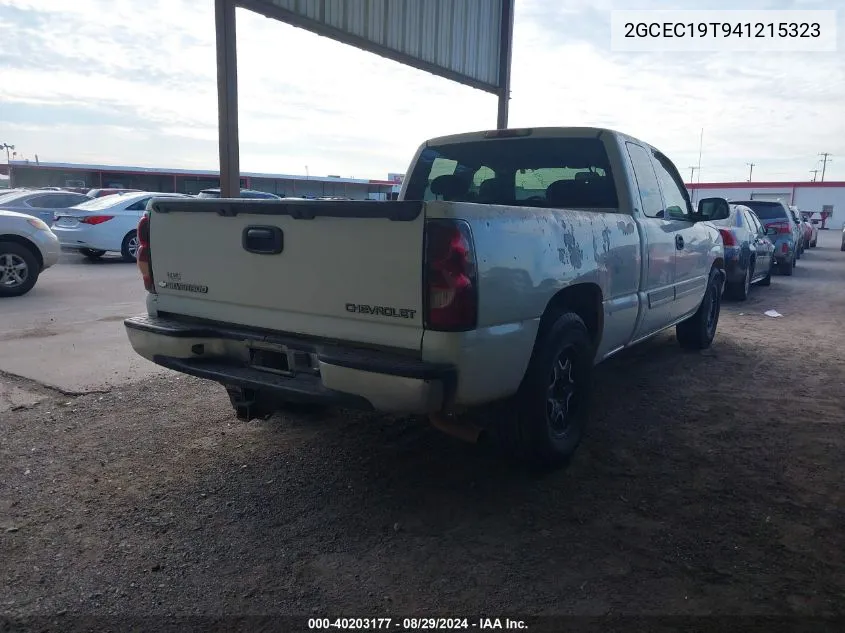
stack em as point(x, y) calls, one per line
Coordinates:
point(784, 248)
point(95, 219)
point(144, 262)
point(782, 229)
point(451, 284)
point(728, 238)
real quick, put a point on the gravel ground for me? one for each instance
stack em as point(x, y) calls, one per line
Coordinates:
point(709, 483)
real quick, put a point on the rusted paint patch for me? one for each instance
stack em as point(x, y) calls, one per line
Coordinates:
point(605, 239)
point(576, 255)
point(627, 228)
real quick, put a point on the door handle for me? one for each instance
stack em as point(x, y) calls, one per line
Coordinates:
point(679, 242)
point(263, 240)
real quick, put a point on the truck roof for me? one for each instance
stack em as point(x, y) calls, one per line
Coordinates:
point(535, 132)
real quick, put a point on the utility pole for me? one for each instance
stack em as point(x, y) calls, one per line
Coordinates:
point(815, 173)
point(692, 169)
point(7, 147)
point(825, 161)
point(700, 148)
point(750, 170)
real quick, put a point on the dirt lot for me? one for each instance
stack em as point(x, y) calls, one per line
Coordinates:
point(708, 484)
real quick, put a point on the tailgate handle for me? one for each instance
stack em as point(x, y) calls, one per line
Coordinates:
point(263, 240)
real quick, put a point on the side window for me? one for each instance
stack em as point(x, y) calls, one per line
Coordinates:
point(138, 206)
point(750, 222)
point(760, 228)
point(646, 181)
point(677, 204)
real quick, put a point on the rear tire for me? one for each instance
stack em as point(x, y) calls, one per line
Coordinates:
point(19, 269)
point(698, 331)
point(739, 291)
point(129, 247)
point(551, 408)
point(785, 268)
point(92, 254)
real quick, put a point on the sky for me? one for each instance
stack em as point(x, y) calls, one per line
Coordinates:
point(133, 82)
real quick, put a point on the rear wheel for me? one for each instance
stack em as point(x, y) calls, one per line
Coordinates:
point(739, 290)
point(698, 331)
point(19, 269)
point(129, 247)
point(551, 408)
point(91, 253)
point(785, 267)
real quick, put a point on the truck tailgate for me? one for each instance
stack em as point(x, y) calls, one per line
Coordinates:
point(343, 270)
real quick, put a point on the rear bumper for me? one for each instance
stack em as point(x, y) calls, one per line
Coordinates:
point(75, 239)
point(340, 375)
point(784, 249)
point(734, 272)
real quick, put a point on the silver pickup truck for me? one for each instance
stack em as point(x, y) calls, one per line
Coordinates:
point(513, 261)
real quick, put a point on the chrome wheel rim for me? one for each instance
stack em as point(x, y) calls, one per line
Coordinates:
point(559, 394)
point(14, 271)
point(132, 246)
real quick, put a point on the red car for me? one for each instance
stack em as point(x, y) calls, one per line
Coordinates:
point(805, 226)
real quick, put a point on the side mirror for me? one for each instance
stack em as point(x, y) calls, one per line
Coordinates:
point(713, 209)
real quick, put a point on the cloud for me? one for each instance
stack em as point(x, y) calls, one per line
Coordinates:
point(133, 82)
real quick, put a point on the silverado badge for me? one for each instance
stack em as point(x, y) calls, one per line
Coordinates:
point(177, 285)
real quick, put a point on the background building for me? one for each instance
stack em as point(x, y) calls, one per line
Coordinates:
point(815, 197)
point(29, 174)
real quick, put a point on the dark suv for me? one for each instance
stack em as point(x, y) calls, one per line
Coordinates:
point(781, 229)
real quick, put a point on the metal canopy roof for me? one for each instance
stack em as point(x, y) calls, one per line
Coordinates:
point(456, 39)
point(468, 41)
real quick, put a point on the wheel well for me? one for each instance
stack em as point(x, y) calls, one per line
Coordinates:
point(32, 248)
point(585, 300)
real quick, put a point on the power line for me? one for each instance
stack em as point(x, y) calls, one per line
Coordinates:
point(825, 161)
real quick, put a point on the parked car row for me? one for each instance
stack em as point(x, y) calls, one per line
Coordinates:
point(758, 236)
point(749, 251)
point(788, 232)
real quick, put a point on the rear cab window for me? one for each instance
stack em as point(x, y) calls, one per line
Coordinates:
point(559, 172)
point(764, 209)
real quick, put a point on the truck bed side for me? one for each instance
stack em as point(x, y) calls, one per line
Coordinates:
point(547, 251)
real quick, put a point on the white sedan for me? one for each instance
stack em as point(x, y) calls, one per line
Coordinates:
point(105, 224)
point(27, 247)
